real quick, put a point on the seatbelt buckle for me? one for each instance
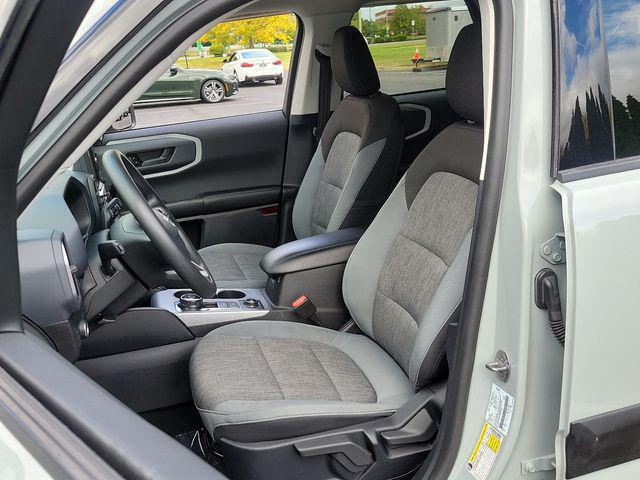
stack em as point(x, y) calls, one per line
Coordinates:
point(304, 307)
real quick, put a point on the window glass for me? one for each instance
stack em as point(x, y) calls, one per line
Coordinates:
point(257, 54)
point(410, 43)
point(97, 12)
point(237, 68)
point(622, 29)
point(599, 97)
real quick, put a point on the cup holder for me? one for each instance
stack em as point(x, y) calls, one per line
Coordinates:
point(230, 294)
point(222, 295)
point(179, 293)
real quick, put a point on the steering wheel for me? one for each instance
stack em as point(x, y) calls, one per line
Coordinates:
point(158, 223)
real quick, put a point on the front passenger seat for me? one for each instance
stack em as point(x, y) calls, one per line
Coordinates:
point(351, 173)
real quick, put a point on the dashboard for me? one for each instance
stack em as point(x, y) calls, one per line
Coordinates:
point(63, 289)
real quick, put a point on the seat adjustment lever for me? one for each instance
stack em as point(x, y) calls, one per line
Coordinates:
point(420, 429)
point(351, 456)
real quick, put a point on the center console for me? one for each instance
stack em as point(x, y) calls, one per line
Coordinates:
point(228, 306)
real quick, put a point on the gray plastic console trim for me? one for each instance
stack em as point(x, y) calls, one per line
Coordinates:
point(232, 309)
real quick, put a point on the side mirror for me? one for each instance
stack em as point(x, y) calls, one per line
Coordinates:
point(126, 121)
point(173, 71)
point(226, 60)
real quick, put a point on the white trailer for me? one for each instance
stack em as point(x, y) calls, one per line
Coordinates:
point(443, 25)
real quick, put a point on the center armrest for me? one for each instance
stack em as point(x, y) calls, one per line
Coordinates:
point(312, 252)
point(312, 267)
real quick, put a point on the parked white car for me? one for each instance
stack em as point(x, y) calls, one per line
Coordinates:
point(254, 65)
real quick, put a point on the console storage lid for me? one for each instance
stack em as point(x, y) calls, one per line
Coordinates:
point(312, 252)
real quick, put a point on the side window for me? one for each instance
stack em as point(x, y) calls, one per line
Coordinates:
point(598, 82)
point(237, 68)
point(622, 29)
point(411, 43)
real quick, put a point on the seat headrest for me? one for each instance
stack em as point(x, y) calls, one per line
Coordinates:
point(464, 75)
point(352, 64)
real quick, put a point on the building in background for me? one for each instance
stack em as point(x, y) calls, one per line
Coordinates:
point(385, 16)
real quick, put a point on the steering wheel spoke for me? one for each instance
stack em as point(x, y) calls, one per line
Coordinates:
point(158, 222)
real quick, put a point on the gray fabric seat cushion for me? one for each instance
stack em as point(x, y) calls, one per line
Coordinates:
point(236, 265)
point(288, 379)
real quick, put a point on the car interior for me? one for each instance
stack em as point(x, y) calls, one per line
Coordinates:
point(273, 290)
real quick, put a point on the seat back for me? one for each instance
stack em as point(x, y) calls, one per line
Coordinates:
point(355, 164)
point(405, 278)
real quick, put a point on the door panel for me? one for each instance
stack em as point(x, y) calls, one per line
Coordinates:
point(159, 155)
point(602, 227)
point(424, 115)
point(222, 178)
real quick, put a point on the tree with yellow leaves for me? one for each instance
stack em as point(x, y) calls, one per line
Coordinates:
point(252, 31)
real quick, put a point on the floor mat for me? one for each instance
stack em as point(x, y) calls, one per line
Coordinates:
point(200, 442)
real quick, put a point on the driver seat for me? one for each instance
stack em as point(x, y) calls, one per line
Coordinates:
point(258, 381)
point(350, 175)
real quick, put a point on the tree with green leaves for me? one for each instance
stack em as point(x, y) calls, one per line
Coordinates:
point(627, 141)
point(576, 152)
point(369, 29)
point(401, 21)
point(420, 19)
point(633, 107)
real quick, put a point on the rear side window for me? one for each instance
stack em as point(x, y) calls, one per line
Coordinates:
point(411, 43)
point(599, 82)
point(258, 54)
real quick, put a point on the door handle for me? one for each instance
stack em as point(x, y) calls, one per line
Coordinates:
point(150, 158)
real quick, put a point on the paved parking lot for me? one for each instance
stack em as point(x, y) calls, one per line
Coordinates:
point(267, 97)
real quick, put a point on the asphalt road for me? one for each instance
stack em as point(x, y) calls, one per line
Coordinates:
point(267, 97)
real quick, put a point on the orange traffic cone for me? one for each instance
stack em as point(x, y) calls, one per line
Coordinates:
point(416, 60)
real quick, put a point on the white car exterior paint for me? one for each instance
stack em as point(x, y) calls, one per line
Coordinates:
point(254, 64)
point(18, 460)
point(602, 228)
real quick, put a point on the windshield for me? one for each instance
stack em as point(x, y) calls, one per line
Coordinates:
point(257, 54)
point(98, 12)
point(104, 23)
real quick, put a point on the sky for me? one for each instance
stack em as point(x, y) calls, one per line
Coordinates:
point(622, 33)
point(587, 23)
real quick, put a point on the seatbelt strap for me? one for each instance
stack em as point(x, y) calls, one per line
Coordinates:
point(324, 93)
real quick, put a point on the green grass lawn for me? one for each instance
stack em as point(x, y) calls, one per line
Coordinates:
point(398, 55)
point(388, 56)
point(395, 55)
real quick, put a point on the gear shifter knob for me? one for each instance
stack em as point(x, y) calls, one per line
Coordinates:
point(191, 301)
